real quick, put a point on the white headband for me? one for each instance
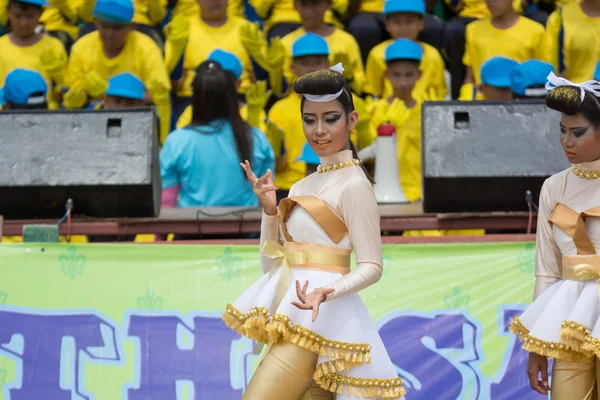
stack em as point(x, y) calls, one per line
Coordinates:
point(592, 87)
point(324, 98)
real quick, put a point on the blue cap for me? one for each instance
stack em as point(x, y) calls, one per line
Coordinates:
point(126, 85)
point(308, 155)
point(310, 44)
point(404, 49)
point(116, 11)
point(20, 85)
point(597, 72)
point(496, 71)
point(529, 73)
point(228, 61)
point(40, 3)
point(404, 6)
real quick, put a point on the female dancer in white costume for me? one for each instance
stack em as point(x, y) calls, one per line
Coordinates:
point(322, 341)
point(562, 323)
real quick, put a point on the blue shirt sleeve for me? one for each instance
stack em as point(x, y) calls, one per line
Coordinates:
point(263, 157)
point(168, 163)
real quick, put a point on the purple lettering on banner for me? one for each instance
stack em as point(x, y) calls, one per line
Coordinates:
point(162, 362)
point(420, 345)
point(513, 383)
point(40, 357)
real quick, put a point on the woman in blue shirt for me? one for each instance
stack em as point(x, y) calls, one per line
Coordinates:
point(200, 163)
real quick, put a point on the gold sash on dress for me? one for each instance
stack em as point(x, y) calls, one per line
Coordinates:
point(585, 265)
point(304, 255)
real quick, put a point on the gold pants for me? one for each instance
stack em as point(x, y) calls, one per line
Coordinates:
point(575, 380)
point(286, 372)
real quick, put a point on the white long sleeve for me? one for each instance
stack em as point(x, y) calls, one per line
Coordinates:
point(361, 215)
point(269, 230)
point(548, 260)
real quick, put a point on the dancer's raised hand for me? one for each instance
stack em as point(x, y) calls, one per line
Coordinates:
point(263, 188)
point(313, 300)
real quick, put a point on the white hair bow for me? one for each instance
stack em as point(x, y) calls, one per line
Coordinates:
point(592, 86)
point(324, 98)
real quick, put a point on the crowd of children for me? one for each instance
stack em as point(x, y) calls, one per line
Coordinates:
point(396, 54)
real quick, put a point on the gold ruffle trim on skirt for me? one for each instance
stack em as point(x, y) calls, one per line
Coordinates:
point(563, 350)
point(260, 326)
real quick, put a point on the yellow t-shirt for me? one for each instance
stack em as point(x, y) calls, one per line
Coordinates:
point(285, 114)
point(142, 14)
point(191, 8)
point(432, 72)
point(140, 56)
point(204, 39)
point(276, 11)
point(477, 8)
point(12, 56)
point(521, 42)
point(371, 6)
point(581, 43)
point(339, 41)
point(408, 144)
point(61, 16)
point(186, 117)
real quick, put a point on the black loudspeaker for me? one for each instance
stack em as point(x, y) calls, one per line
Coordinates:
point(106, 161)
point(484, 156)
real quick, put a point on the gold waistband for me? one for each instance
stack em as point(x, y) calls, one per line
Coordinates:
point(309, 256)
point(581, 267)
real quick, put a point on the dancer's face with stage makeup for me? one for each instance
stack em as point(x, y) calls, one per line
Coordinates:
point(327, 126)
point(579, 138)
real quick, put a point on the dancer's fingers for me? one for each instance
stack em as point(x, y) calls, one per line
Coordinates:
point(300, 293)
point(303, 306)
point(315, 312)
point(305, 287)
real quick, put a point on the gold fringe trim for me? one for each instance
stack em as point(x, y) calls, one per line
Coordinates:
point(559, 350)
point(260, 326)
point(581, 338)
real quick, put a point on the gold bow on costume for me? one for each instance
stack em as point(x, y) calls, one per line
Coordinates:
point(583, 272)
point(308, 256)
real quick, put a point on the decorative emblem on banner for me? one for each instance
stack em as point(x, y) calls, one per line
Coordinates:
point(457, 299)
point(3, 297)
point(229, 266)
point(72, 262)
point(3, 375)
point(526, 259)
point(150, 301)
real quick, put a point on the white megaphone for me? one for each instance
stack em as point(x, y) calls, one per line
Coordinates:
point(387, 179)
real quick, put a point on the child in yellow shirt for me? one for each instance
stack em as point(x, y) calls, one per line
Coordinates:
point(112, 49)
point(342, 46)
point(211, 29)
point(572, 42)
point(280, 17)
point(402, 58)
point(367, 25)
point(309, 53)
point(147, 17)
point(23, 47)
point(505, 34)
point(404, 20)
point(404, 111)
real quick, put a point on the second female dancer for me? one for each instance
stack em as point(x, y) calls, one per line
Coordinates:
point(322, 343)
point(563, 322)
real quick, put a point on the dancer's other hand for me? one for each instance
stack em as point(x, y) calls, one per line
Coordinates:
point(313, 300)
point(263, 188)
point(535, 365)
